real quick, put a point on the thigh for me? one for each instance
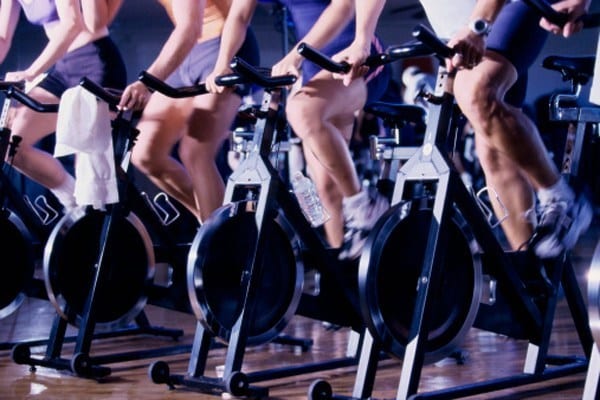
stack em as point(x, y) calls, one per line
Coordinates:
point(162, 124)
point(31, 125)
point(328, 99)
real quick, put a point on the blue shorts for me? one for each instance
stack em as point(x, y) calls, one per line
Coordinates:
point(200, 62)
point(517, 36)
point(100, 61)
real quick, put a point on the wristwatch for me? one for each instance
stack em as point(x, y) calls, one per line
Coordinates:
point(480, 27)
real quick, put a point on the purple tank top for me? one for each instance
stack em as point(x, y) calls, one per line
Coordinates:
point(39, 12)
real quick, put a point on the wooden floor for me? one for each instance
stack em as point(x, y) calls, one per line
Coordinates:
point(489, 356)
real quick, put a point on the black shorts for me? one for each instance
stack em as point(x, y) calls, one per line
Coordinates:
point(517, 35)
point(99, 61)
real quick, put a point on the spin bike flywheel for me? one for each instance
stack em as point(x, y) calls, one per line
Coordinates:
point(219, 260)
point(71, 261)
point(594, 294)
point(17, 266)
point(390, 272)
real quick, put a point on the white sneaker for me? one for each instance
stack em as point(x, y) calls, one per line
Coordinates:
point(561, 224)
point(361, 212)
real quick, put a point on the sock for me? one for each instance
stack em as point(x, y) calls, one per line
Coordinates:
point(65, 192)
point(560, 191)
point(356, 200)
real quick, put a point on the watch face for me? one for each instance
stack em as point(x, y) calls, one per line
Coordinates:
point(480, 26)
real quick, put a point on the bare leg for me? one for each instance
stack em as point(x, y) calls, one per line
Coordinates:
point(331, 198)
point(516, 157)
point(32, 126)
point(502, 173)
point(162, 125)
point(322, 115)
point(209, 126)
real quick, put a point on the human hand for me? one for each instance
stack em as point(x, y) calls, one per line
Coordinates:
point(210, 81)
point(288, 65)
point(134, 97)
point(355, 55)
point(574, 9)
point(469, 49)
point(17, 76)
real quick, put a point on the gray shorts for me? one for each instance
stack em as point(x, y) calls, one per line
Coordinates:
point(202, 58)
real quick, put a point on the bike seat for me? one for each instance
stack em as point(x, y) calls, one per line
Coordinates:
point(397, 113)
point(576, 69)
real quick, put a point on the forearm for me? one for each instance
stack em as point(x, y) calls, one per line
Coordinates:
point(98, 14)
point(188, 16)
point(367, 15)
point(173, 52)
point(234, 31)
point(9, 17)
point(57, 46)
point(487, 9)
point(330, 23)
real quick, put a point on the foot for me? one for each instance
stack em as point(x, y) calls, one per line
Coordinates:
point(360, 215)
point(560, 225)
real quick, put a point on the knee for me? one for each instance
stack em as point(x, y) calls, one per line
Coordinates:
point(144, 161)
point(302, 116)
point(478, 98)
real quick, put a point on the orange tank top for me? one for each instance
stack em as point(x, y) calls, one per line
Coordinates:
point(215, 13)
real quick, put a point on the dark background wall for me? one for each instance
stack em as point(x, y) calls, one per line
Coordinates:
point(141, 27)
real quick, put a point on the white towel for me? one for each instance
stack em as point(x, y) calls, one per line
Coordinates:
point(83, 128)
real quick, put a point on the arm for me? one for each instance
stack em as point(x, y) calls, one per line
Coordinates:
point(98, 14)
point(9, 17)
point(187, 15)
point(330, 23)
point(575, 9)
point(470, 46)
point(367, 15)
point(234, 32)
point(69, 26)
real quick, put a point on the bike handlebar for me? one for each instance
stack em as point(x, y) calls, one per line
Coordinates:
point(560, 19)
point(5, 85)
point(429, 39)
point(21, 97)
point(328, 64)
point(177, 93)
point(100, 92)
point(254, 75)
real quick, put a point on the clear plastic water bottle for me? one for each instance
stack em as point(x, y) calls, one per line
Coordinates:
point(309, 200)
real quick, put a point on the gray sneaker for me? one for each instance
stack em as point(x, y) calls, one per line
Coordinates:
point(359, 220)
point(561, 224)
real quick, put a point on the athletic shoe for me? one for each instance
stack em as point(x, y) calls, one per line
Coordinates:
point(561, 224)
point(360, 215)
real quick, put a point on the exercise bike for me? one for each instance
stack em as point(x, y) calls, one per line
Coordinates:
point(247, 265)
point(582, 129)
point(25, 224)
point(433, 267)
point(99, 268)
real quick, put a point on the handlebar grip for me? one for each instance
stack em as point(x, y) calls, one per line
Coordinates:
point(5, 85)
point(177, 93)
point(230, 80)
point(253, 75)
point(560, 19)
point(546, 11)
point(100, 92)
point(30, 102)
point(322, 60)
point(427, 37)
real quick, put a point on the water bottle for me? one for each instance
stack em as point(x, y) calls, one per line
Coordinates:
point(309, 200)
